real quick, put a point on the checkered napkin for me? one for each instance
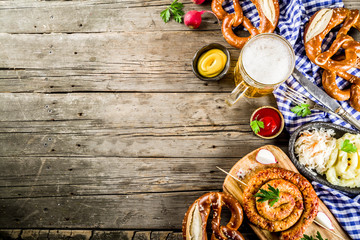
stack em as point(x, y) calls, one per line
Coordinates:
point(345, 208)
point(293, 16)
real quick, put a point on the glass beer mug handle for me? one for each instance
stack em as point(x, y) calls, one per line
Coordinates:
point(236, 94)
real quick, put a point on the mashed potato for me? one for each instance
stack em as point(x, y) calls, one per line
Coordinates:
point(343, 167)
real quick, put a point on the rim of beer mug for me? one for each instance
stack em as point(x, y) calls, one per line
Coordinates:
point(291, 69)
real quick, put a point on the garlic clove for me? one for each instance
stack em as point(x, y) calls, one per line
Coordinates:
point(323, 219)
point(264, 156)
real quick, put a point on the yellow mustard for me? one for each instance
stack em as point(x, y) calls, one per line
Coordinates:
point(211, 63)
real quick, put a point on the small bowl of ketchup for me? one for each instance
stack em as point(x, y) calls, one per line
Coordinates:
point(273, 121)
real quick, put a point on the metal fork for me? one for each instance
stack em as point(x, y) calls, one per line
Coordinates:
point(298, 99)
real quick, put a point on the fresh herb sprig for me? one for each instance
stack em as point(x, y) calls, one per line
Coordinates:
point(301, 110)
point(307, 237)
point(256, 125)
point(348, 147)
point(272, 195)
point(317, 237)
point(175, 9)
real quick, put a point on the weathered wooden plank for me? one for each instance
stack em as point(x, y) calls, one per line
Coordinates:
point(353, 4)
point(203, 144)
point(49, 81)
point(150, 211)
point(70, 234)
point(15, 234)
point(93, 16)
point(34, 234)
point(109, 52)
point(142, 235)
point(163, 235)
point(175, 236)
point(98, 16)
point(146, 211)
point(150, 80)
point(24, 177)
point(105, 62)
point(126, 125)
point(112, 235)
point(130, 109)
point(10, 234)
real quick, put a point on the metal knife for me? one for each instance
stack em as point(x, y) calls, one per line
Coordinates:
point(325, 99)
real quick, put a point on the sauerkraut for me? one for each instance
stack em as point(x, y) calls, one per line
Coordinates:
point(313, 148)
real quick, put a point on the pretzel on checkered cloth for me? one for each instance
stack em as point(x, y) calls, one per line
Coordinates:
point(320, 24)
point(268, 13)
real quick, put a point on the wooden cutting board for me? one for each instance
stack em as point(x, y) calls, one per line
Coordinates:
point(249, 166)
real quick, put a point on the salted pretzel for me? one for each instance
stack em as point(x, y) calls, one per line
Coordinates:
point(268, 13)
point(320, 24)
point(295, 210)
point(194, 224)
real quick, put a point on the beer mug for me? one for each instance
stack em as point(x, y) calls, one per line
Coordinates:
point(265, 62)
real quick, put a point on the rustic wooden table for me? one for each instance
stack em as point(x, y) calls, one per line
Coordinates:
point(105, 132)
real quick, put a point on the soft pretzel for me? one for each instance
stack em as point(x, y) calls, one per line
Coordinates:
point(194, 224)
point(355, 96)
point(330, 86)
point(294, 211)
point(320, 24)
point(268, 13)
point(326, 20)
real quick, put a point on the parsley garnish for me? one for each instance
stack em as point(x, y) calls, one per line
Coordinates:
point(272, 195)
point(307, 237)
point(301, 110)
point(174, 9)
point(256, 125)
point(318, 237)
point(348, 147)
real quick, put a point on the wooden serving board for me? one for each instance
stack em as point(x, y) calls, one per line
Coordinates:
point(249, 166)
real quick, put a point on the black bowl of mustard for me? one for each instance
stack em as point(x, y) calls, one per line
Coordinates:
point(204, 50)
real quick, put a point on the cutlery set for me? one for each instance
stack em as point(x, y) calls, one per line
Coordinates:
point(329, 105)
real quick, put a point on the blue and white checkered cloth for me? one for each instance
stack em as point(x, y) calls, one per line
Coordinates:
point(345, 208)
point(293, 16)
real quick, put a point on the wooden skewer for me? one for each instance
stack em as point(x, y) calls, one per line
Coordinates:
point(237, 179)
point(329, 230)
point(231, 176)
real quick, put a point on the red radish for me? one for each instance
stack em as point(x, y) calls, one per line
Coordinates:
point(323, 219)
point(198, 1)
point(265, 157)
point(192, 18)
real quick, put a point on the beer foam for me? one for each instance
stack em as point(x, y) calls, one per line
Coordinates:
point(268, 60)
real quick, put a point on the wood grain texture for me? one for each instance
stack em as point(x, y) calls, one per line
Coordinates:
point(105, 62)
point(77, 124)
point(143, 211)
point(100, 57)
point(59, 234)
point(36, 177)
point(93, 16)
point(103, 125)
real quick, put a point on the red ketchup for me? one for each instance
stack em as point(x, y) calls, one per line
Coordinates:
point(271, 120)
